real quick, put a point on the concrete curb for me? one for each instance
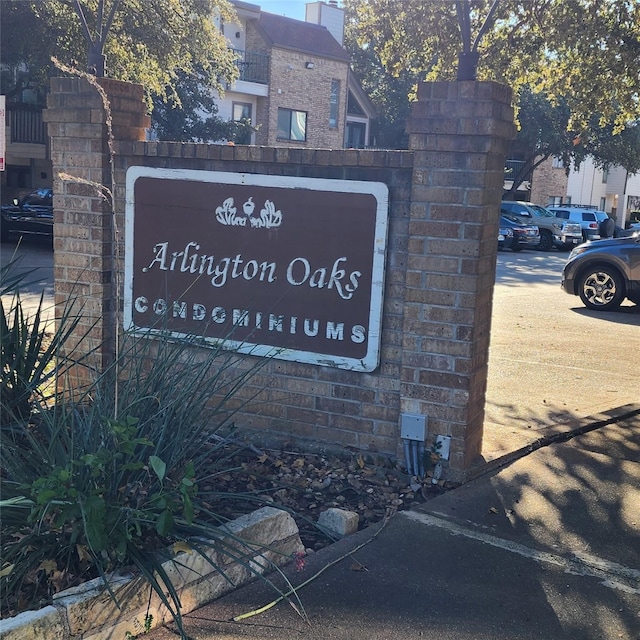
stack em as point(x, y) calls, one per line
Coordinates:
point(88, 612)
point(559, 433)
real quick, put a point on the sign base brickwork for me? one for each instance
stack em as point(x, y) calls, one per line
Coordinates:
point(432, 308)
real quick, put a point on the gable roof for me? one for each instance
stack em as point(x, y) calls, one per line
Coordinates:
point(287, 33)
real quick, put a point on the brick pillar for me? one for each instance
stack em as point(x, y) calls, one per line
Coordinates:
point(460, 134)
point(85, 234)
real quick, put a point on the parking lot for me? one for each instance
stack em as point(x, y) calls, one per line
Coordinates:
point(551, 360)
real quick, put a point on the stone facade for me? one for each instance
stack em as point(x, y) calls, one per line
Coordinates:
point(293, 86)
point(548, 182)
point(441, 252)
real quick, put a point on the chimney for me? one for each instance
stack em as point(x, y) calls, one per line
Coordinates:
point(326, 15)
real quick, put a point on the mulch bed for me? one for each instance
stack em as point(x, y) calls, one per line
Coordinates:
point(309, 483)
point(305, 484)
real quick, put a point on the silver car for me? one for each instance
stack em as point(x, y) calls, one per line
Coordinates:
point(586, 216)
point(604, 273)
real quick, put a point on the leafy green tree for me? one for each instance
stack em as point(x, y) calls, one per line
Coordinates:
point(543, 133)
point(146, 41)
point(583, 51)
point(389, 94)
point(527, 44)
point(189, 114)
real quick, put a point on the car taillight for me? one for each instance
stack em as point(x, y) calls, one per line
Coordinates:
point(593, 225)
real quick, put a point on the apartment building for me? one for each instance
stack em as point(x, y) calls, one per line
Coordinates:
point(613, 190)
point(295, 84)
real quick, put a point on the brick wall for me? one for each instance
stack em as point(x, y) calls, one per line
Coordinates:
point(548, 181)
point(440, 261)
point(85, 232)
point(293, 86)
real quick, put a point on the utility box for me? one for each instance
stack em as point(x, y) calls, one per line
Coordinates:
point(413, 427)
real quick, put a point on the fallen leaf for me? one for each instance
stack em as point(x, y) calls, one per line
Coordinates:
point(83, 553)
point(181, 545)
point(357, 566)
point(493, 510)
point(6, 570)
point(48, 566)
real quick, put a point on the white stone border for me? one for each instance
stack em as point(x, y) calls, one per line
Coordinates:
point(88, 612)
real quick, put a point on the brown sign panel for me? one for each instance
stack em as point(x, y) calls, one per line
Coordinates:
point(286, 267)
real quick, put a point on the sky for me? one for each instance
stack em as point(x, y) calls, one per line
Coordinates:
point(289, 8)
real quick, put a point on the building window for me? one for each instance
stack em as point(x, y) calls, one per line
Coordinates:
point(605, 176)
point(557, 163)
point(353, 106)
point(356, 135)
point(555, 201)
point(603, 203)
point(292, 125)
point(334, 103)
point(241, 111)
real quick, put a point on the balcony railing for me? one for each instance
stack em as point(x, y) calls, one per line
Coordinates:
point(512, 168)
point(25, 124)
point(253, 66)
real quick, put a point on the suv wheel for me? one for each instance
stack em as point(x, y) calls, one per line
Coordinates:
point(601, 288)
point(546, 242)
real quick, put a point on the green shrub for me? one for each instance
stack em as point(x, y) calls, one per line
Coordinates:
point(109, 476)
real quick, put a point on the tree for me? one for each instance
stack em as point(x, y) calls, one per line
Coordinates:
point(189, 114)
point(543, 133)
point(586, 52)
point(527, 44)
point(389, 93)
point(145, 41)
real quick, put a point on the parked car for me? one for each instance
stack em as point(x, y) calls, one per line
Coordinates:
point(587, 217)
point(525, 236)
point(505, 237)
point(554, 232)
point(31, 215)
point(604, 273)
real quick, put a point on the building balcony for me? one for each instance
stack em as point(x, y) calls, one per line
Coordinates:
point(253, 66)
point(25, 124)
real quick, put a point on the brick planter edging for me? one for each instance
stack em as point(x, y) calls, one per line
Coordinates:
point(88, 612)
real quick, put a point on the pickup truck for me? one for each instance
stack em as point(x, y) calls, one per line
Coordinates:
point(554, 232)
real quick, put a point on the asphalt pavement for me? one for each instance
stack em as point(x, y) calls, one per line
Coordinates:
point(34, 260)
point(546, 548)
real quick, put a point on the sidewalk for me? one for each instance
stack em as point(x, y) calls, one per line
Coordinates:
point(547, 547)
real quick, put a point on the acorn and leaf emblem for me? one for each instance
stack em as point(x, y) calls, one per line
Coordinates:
point(268, 218)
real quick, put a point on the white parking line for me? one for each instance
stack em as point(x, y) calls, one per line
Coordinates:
point(610, 574)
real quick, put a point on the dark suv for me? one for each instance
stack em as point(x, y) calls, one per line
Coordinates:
point(604, 273)
point(29, 216)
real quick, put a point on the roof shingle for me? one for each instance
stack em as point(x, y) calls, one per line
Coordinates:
point(287, 33)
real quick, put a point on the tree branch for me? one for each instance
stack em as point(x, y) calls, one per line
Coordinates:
point(485, 25)
point(112, 14)
point(462, 9)
point(83, 21)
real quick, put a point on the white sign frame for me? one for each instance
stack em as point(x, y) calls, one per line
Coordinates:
point(378, 190)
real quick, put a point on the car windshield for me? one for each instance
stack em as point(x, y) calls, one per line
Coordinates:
point(510, 217)
point(40, 197)
point(541, 211)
